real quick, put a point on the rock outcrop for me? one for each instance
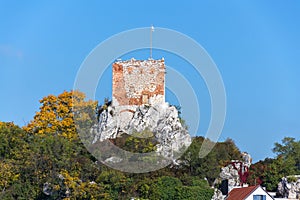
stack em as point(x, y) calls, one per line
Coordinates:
point(231, 176)
point(290, 189)
point(161, 119)
point(218, 195)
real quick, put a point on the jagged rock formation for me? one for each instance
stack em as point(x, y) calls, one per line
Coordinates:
point(161, 119)
point(231, 176)
point(218, 195)
point(289, 190)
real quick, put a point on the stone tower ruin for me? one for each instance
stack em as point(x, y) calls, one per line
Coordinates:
point(138, 108)
point(138, 82)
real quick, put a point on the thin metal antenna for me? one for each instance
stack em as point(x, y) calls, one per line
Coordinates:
point(151, 31)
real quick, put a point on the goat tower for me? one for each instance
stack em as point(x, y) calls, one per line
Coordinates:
point(138, 82)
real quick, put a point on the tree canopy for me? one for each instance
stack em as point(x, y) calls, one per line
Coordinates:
point(46, 160)
point(57, 114)
point(271, 170)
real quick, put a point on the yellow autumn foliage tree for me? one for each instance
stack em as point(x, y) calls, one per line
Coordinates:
point(78, 189)
point(57, 114)
point(7, 174)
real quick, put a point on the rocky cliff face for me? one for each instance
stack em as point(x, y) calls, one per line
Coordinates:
point(161, 119)
point(290, 189)
point(230, 174)
point(235, 174)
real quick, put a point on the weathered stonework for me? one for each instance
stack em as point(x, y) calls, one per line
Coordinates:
point(138, 105)
point(138, 82)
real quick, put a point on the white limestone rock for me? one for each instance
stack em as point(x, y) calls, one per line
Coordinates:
point(289, 190)
point(160, 119)
point(113, 159)
point(231, 174)
point(218, 195)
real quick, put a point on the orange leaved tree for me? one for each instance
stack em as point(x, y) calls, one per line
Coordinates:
point(57, 114)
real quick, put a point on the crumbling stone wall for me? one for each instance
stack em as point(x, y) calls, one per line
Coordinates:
point(138, 82)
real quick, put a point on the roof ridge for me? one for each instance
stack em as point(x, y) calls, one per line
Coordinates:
point(248, 190)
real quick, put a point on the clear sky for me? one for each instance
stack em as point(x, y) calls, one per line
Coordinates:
point(255, 44)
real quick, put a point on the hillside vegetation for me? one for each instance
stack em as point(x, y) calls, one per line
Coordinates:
point(47, 160)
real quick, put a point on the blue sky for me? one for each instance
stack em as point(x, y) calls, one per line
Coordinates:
point(255, 44)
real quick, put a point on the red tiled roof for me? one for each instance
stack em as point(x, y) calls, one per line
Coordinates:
point(241, 193)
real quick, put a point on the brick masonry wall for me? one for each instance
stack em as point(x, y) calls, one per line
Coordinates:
point(137, 82)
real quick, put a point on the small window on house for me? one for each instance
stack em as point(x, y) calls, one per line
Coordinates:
point(259, 197)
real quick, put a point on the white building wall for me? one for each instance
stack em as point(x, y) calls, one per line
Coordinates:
point(259, 191)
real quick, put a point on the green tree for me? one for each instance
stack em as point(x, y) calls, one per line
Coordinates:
point(208, 167)
point(194, 192)
point(257, 170)
point(270, 171)
point(115, 183)
point(276, 170)
point(289, 149)
point(164, 187)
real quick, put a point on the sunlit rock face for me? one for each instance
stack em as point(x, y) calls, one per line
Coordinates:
point(138, 105)
point(289, 189)
point(160, 119)
point(233, 175)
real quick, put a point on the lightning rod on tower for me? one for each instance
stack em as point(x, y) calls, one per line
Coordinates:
point(151, 31)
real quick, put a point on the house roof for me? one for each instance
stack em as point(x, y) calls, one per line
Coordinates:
point(241, 193)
